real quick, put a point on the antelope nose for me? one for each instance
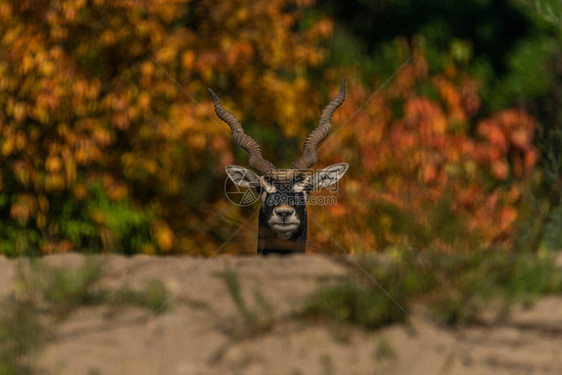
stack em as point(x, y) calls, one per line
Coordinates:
point(284, 211)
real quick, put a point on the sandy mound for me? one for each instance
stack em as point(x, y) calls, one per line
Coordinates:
point(204, 332)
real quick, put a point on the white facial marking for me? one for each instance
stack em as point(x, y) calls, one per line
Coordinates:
point(299, 188)
point(267, 187)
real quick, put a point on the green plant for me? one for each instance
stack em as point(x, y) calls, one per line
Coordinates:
point(351, 302)
point(259, 318)
point(327, 365)
point(47, 295)
point(22, 335)
point(65, 289)
point(553, 233)
point(466, 284)
point(456, 287)
point(232, 283)
point(384, 350)
point(154, 297)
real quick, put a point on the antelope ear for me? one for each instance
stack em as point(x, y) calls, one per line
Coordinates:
point(242, 177)
point(328, 176)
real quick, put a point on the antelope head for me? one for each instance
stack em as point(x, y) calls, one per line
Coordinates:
point(283, 192)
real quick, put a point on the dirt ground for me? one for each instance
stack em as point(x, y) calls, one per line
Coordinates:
point(201, 331)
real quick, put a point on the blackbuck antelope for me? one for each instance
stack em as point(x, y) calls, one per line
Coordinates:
point(283, 192)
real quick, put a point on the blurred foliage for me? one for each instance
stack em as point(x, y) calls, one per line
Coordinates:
point(257, 319)
point(430, 172)
point(21, 337)
point(457, 288)
point(100, 149)
point(45, 295)
point(512, 48)
point(83, 106)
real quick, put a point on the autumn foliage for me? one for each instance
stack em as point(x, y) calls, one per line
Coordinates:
point(98, 143)
point(428, 173)
point(100, 149)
